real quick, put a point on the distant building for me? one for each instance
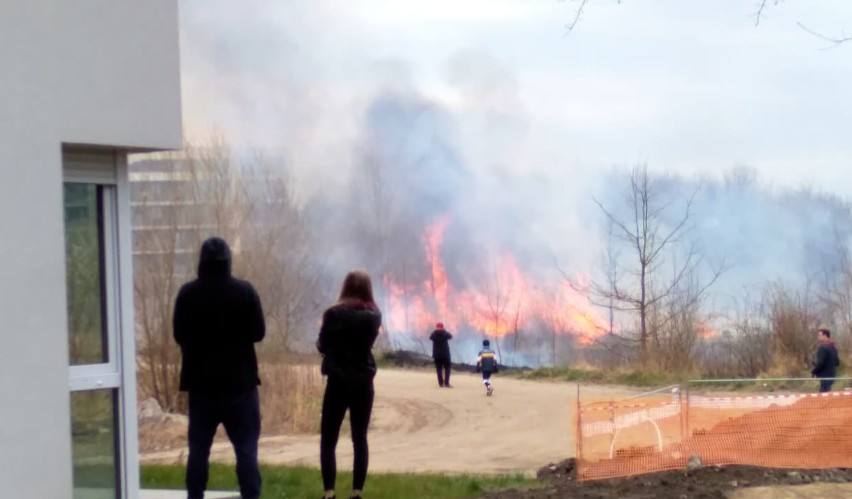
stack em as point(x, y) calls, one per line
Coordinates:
point(168, 220)
point(176, 203)
point(179, 200)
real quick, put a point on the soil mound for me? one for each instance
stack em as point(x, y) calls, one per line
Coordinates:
point(814, 432)
point(711, 482)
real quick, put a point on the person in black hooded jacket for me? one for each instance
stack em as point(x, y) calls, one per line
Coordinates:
point(349, 329)
point(217, 320)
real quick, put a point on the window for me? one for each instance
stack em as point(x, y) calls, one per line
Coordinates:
point(103, 427)
point(84, 263)
point(94, 433)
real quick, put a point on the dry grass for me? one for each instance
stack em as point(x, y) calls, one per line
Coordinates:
point(784, 366)
point(290, 397)
point(290, 400)
point(164, 432)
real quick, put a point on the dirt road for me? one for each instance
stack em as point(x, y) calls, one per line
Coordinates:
point(418, 427)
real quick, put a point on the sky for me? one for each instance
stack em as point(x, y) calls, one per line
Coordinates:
point(522, 124)
point(493, 112)
point(688, 87)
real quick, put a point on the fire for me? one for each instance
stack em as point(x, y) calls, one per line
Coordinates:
point(439, 285)
point(504, 303)
point(706, 331)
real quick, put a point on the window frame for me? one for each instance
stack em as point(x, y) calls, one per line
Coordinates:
point(108, 168)
point(103, 374)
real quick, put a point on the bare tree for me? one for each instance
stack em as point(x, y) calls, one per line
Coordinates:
point(834, 40)
point(679, 326)
point(162, 256)
point(761, 7)
point(516, 331)
point(551, 324)
point(180, 199)
point(832, 287)
point(750, 343)
point(791, 317)
point(611, 271)
point(759, 14)
point(637, 283)
point(497, 304)
point(577, 13)
point(379, 205)
point(386, 234)
point(277, 256)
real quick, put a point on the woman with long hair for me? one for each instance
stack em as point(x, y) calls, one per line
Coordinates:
point(349, 329)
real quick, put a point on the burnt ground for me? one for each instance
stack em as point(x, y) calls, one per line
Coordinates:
point(711, 482)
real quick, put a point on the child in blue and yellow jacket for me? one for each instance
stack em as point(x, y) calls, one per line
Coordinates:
point(486, 363)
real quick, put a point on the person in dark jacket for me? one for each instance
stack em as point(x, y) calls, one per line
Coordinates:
point(826, 361)
point(217, 320)
point(440, 338)
point(349, 329)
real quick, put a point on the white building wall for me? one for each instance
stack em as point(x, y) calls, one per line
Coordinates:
point(87, 72)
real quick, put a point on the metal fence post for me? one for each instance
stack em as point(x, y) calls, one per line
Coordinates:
point(682, 409)
point(579, 431)
point(612, 421)
point(686, 423)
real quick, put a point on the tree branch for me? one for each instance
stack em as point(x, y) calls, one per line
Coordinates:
point(834, 41)
point(570, 26)
point(674, 234)
point(759, 14)
point(626, 234)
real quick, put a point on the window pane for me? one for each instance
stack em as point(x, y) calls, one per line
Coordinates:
point(85, 274)
point(94, 444)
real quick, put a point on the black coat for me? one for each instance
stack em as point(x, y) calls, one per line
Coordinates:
point(441, 344)
point(826, 362)
point(217, 320)
point(346, 340)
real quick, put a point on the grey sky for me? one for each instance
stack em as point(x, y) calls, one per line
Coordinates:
point(684, 86)
point(537, 118)
point(532, 121)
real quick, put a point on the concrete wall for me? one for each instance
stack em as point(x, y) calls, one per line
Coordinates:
point(82, 72)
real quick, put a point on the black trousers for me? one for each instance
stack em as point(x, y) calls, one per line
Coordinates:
point(240, 415)
point(342, 394)
point(443, 365)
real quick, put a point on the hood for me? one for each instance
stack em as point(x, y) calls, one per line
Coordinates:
point(829, 342)
point(215, 259)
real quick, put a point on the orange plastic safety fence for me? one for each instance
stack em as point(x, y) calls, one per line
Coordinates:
point(631, 437)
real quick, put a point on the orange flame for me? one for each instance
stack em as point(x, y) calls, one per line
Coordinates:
point(706, 331)
point(505, 303)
